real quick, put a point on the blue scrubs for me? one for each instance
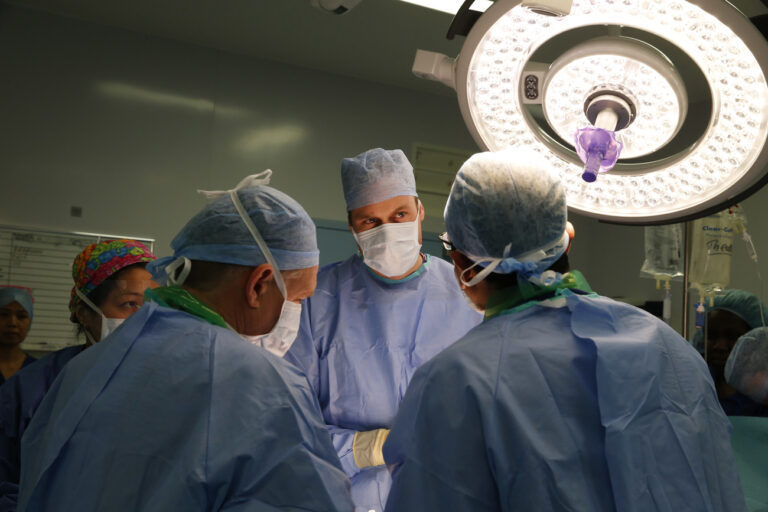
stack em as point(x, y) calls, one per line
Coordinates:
point(570, 403)
point(361, 339)
point(28, 360)
point(173, 413)
point(20, 397)
point(738, 404)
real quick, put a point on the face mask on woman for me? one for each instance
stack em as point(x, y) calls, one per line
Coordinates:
point(108, 325)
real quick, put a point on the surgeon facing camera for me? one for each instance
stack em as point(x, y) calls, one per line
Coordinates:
point(376, 317)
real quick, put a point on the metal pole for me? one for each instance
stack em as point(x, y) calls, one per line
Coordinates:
point(686, 269)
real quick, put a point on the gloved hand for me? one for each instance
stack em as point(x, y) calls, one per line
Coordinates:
point(366, 447)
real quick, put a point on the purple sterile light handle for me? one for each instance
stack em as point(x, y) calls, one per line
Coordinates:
point(598, 149)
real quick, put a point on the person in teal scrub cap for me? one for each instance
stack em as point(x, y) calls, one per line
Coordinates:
point(376, 317)
point(15, 320)
point(731, 315)
point(561, 400)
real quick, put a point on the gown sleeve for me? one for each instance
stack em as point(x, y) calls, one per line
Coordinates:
point(305, 355)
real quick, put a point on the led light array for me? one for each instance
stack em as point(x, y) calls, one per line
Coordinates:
point(658, 110)
point(726, 151)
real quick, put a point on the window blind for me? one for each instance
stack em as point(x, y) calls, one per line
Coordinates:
point(42, 261)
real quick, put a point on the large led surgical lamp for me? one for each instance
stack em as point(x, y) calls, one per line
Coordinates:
point(652, 111)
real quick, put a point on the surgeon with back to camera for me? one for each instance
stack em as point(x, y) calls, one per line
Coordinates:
point(376, 317)
point(561, 400)
point(16, 311)
point(181, 408)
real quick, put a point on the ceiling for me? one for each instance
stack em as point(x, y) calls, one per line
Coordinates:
point(375, 41)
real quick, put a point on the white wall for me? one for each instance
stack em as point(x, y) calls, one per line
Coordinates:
point(127, 126)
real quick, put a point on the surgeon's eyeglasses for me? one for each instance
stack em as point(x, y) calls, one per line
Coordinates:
point(447, 245)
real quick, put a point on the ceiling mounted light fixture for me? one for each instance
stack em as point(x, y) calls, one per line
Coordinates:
point(666, 99)
point(450, 6)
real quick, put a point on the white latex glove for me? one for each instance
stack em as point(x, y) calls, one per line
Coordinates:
point(367, 447)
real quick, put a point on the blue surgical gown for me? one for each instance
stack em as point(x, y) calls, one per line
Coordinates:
point(361, 339)
point(171, 413)
point(20, 397)
point(575, 403)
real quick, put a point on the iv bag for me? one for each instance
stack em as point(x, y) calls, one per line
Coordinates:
point(663, 251)
point(711, 250)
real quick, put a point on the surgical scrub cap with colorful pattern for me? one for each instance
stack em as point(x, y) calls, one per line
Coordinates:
point(99, 261)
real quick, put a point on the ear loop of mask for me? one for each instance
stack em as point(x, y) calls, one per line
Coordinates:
point(480, 275)
point(547, 278)
point(93, 306)
point(171, 271)
point(493, 263)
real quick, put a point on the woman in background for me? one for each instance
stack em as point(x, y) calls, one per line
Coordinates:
point(15, 321)
point(109, 283)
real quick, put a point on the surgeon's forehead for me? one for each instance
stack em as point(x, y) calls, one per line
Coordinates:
point(725, 318)
point(386, 207)
point(12, 306)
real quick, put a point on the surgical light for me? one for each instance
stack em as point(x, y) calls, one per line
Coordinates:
point(680, 84)
point(450, 6)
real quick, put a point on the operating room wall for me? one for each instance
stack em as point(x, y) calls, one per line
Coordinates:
point(745, 273)
point(127, 126)
point(614, 255)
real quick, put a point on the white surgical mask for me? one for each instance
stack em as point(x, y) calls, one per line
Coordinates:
point(390, 249)
point(280, 338)
point(108, 325)
point(282, 335)
point(470, 302)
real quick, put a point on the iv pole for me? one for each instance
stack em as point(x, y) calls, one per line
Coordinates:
point(686, 269)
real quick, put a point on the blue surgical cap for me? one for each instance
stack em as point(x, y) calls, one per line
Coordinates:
point(508, 205)
point(741, 303)
point(18, 294)
point(745, 305)
point(218, 234)
point(375, 176)
point(747, 366)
